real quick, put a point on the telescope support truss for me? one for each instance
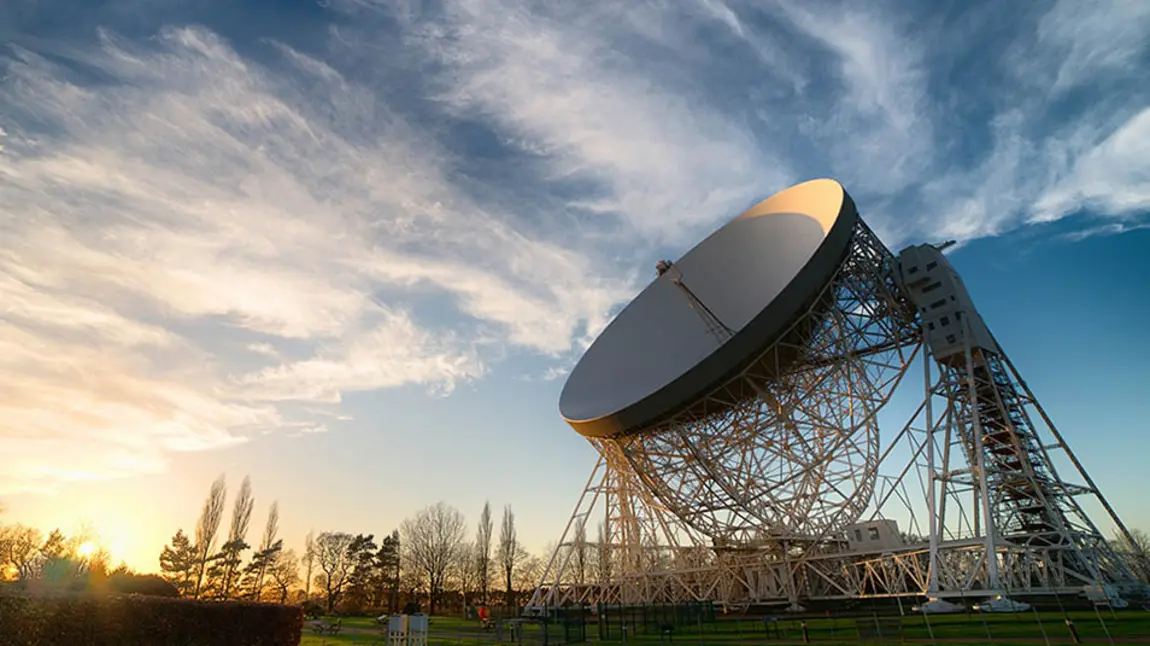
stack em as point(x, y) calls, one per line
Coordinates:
point(973, 477)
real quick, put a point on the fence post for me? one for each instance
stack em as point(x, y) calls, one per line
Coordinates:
point(1073, 630)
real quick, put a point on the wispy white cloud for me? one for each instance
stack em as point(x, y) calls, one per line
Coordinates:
point(877, 128)
point(77, 410)
point(199, 244)
point(200, 191)
point(560, 89)
point(1110, 177)
point(309, 430)
point(393, 353)
point(1084, 41)
point(1110, 229)
point(264, 349)
point(1048, 156)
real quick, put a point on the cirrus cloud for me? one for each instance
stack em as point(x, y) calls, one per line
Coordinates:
point(212, 232)
point(199, 204)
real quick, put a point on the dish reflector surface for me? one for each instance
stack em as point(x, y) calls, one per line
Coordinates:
point(756, 274)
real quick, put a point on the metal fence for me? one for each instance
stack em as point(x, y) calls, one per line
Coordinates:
point(618, 622)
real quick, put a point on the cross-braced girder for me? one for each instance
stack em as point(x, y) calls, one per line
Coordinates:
point(787, 448)
point(745, 497)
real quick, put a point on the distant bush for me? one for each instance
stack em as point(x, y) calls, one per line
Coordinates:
point(141, 584)
point(313, 609)
point(135, 620)
point(119, 582)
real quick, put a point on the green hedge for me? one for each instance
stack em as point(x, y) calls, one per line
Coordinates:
point(138, 620)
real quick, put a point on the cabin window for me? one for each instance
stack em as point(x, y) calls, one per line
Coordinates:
point(931, 287)
point(872, 533)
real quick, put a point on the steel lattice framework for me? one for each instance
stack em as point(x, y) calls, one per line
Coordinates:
point(790, 455)
point(745, 499)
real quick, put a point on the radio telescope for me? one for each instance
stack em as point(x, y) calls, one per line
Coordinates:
point(734, 407)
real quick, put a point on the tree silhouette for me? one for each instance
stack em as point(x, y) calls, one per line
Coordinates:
point(178, 564)
point(308, 563)
point(230, 556)
point(264, 558)
point(483, 551)
point(431, 540)
point(509, 552)
point(360, 584)
point(334, 559)
point(389, 561)
point(206, 528)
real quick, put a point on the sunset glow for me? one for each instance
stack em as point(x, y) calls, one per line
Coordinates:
point(86, 549)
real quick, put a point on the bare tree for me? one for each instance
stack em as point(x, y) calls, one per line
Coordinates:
point(528, 571)
point(509, 551)
point(430, 542)
point(284, 573)
point(1138, 541)
point(1136, 547)
point(603, 556)
point(271, 528)
point(464, 570)
point(579, 553)
point(237, 537)
point(206, 528)
point(308, 563)
point(335, 563)
point(20, 551)
point(483, 551)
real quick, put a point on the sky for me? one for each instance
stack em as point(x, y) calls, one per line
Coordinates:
point(351, 248)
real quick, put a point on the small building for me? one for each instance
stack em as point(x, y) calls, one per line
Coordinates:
point(874, 536)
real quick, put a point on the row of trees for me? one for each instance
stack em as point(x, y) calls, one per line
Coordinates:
point(439, 551)
point(31, 560)
point(428, 558)
point(26, 554)
point(201, 567)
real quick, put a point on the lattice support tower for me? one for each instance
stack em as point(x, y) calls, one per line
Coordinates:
point(781, 492)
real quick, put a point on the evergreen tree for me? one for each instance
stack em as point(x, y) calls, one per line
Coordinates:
point(178, 564)
point(359, 585)
point(387, 563)
point(226, 570)
point(264, 557)
point(206, 528)
point(229, 558)
point(255, 579)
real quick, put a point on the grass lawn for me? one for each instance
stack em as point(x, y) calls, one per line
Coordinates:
point(1131, 626)
point(365, 632)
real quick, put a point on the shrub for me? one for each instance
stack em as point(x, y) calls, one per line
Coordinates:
point(137, 620)
point(141, 584)
point(313, 609)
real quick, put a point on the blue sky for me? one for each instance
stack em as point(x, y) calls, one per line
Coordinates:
point(352, 247)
